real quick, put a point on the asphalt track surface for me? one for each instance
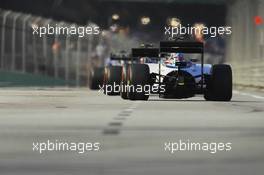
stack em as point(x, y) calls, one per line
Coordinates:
point(131, 134)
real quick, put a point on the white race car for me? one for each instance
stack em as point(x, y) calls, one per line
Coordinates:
point(175, 75)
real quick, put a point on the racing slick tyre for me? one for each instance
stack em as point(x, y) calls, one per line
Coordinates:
point(138, 78)
point(219, 87)
point(123, 85)
point(112, 79)
point(96, 77)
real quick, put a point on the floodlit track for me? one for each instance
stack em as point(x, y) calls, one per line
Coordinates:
point(131, 133)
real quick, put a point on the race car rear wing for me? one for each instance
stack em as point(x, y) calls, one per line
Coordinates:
point(180, 44)
point(181, 47)
point(120, 57)
point(145, 52)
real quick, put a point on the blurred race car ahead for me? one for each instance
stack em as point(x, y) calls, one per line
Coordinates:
point(167, 70)
point(98, 75)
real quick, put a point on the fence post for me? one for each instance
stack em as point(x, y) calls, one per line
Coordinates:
point(78, 62)
point(24, 43)
point(55, 58)
point(3, 38)
point(35, 48)
point(67, 44)
point(45, 51)
point(13, 61)
point(89, 55)
point(261, 45)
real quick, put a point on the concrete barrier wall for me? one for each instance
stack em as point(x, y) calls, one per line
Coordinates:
point(245, 47)
point(61, 56)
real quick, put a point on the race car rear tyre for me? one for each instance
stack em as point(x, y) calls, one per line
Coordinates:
point(112, 79)
point(138, 80)
point(96, 78)
point(219, 87)
point(123, 84)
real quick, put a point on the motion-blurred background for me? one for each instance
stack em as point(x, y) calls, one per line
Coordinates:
point(53, 60)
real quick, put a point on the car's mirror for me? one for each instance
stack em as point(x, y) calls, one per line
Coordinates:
point(181, 64)
point(163, 55)
point(194, 60)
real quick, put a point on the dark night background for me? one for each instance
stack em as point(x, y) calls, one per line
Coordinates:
point(100, 11)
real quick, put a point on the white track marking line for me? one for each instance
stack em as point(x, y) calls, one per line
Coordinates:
point(114, 127)
point(248, 94)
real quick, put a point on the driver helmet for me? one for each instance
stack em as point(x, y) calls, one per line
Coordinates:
point(178, 57)
point(174, 57)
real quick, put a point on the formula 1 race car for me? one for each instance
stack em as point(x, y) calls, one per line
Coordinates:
point(113, 73)
point(174, 76)
point(109, 75)
point(96, 77)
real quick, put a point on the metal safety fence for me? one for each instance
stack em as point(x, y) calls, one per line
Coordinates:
point(245, 47)
point(63, 56)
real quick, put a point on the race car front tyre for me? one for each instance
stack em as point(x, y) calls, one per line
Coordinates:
point(138, 82)
point(123, 85)
point(112, 79)
point(219, 87)
point(96, 77)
